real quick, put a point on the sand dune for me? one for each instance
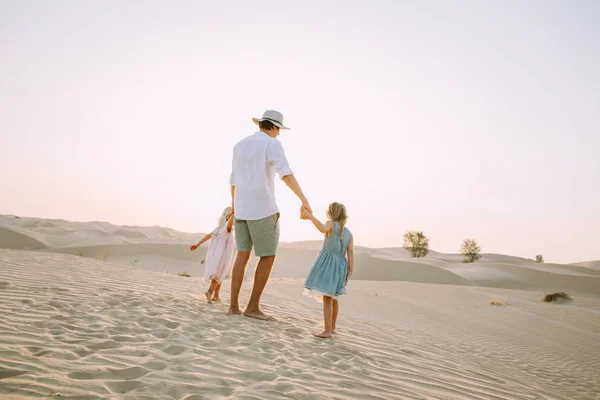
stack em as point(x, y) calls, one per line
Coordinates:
point(518, 277)
point(165, 250)
point(595, 265)
point(296, 263)
point(61, 233)
point(14, 240)
point(90, 329)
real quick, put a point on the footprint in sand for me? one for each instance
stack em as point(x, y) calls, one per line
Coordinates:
point(108, 344)
point(155, 365)
point(129, 373)
point(122, 386)
point(174, 350)
point(4, 285)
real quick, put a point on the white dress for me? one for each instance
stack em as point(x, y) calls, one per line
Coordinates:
point(220, 254)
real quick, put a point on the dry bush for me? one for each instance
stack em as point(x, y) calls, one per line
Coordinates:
point(495, 302)
point(556, 297)
point(416, 243)
point(470, 250)
point(103, 257)
point(184, 274)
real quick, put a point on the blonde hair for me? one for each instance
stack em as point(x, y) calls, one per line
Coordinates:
point(224, 215)
point(336, 212)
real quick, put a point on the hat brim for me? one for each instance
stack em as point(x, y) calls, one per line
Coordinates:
point(277, 124)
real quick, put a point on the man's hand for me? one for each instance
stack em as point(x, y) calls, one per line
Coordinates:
point(304, 213)
point(305, 206)
point(305, 210)
point(193, 247)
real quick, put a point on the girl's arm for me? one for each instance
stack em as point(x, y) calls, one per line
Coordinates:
point(350, 254)
point(322, 227)
point(204, 239)
point(230, 223)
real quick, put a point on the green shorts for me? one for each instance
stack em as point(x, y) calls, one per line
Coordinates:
point(262, 234)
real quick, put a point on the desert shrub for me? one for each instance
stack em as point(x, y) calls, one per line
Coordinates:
point(556, 297)
point(416, 243)
point(470, 250)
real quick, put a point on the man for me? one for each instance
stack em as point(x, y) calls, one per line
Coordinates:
point(256, 159)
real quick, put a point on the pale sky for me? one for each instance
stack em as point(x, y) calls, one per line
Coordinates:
point(458, 118)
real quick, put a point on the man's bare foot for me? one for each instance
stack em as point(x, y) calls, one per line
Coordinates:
point(216, 299)
point(333, 331)
point(323, 335)
point(258, 315)
point(234, 311)
point(208, 297)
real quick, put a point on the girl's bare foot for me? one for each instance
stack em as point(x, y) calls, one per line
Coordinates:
point(208, 297)
point(323, 335)
point(216, 299)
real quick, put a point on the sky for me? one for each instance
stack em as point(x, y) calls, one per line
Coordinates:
point(461, 119)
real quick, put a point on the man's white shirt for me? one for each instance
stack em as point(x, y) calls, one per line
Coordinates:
point(256, 159)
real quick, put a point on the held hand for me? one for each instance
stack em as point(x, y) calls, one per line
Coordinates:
point(305, 210)
point(307, 207)
point(304, 214)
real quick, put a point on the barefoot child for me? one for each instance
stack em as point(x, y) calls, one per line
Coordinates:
point(219, 255)
point(331, 270)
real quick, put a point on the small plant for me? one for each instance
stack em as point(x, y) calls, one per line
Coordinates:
point(184, 274)
point(539, 259)
point(495, 302)
point(202, 262)
point(416, 243)
point(103, 257)
point(556, 297)
point(470, 250)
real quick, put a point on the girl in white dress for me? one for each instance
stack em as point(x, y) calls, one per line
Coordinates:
point(219, 255)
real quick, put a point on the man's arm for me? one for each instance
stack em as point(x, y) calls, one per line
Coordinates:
point(232, 198)
point(276, 157)
point(292, 183)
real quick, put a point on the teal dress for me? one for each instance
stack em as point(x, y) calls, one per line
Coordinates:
point(328, 274)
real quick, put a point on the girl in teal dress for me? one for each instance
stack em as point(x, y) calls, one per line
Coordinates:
point(334, 264)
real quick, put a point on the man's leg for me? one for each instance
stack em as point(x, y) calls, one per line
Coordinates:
point(237, 278)
point(265, 238)
point(261, 277)
point(243, 242)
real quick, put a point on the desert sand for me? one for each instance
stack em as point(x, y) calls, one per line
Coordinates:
point(94, 310)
